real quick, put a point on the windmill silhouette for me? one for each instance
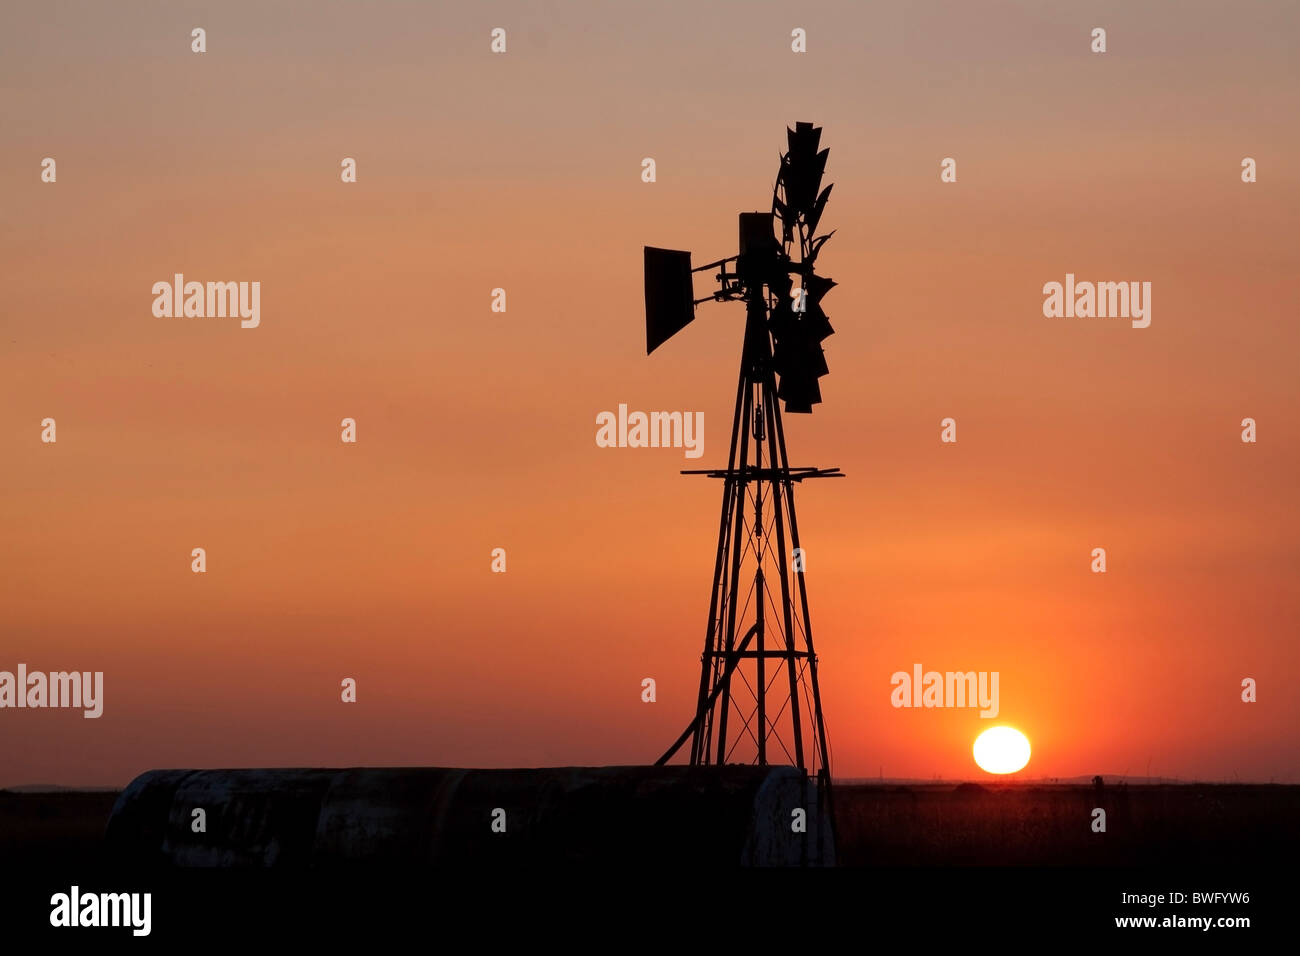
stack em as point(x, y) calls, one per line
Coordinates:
point(759, 700)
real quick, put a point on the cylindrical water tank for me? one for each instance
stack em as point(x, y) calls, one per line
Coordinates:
point(754, 816)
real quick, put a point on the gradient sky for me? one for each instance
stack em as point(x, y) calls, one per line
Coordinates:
point(476, 430)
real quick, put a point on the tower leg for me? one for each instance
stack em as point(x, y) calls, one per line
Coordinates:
point(702, 736)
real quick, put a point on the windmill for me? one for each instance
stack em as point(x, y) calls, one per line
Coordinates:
point(759, 700)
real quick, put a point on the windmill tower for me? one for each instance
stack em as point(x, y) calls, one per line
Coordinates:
point(759, 700)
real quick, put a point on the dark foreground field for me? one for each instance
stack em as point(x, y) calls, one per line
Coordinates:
point(1047, 825)
point(885, 825)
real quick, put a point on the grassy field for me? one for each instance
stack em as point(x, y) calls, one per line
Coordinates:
point(63, 827)
point(1046, 825)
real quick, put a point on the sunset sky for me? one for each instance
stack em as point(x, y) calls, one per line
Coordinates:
point(476, 429)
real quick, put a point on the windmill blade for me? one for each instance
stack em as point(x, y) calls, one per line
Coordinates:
point(816, 246)
point(803, 139)
point(799, 392)
point(817, 286)
point(818, 208)
point(803, 180)
point(801, 170)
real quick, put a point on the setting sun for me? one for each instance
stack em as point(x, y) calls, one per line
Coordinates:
point(1001, 750)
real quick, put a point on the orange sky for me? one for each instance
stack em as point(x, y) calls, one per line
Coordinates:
point(476, 430)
